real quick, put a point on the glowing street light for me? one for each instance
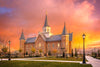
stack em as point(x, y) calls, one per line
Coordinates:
point(9, 50)
point(84, 48)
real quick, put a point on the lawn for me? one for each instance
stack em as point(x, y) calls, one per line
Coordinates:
point(40, 64)
point(53, 58)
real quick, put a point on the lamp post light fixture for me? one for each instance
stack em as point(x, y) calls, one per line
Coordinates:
point(84, 48)
point(9, 51)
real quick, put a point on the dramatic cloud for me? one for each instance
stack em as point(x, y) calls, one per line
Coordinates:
point(29, 15)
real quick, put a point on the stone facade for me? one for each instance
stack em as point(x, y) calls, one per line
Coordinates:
point(48, 43)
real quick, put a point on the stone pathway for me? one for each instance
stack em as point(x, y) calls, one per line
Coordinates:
point(94, 62)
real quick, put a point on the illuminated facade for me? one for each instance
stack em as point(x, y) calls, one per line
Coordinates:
point(47, 42)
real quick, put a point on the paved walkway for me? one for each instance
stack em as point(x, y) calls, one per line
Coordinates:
point(30, 59)
point(94, 62)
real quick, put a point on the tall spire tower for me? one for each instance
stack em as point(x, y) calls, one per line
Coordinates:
point(46, 27)
point(22, 41)
point(65, 40)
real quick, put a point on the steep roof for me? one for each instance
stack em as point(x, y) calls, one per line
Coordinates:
point(22, 36)
point(54, 38)
point(31, 40)
point(64, 30)
point(46, 21)
point(50, 39)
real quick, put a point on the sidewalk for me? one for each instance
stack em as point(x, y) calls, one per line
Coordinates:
point(28, 59)
point(94, 62)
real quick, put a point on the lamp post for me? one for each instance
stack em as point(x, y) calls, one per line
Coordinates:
point(84, 49)
point(9, 51)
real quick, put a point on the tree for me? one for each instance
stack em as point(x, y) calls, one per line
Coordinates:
point(98, 53)
point(3, 40)
point(55, 51)
point(49, 53)
point(63, 54)
point(75, 52)
point(20, 50)
point(33, 50)
point(4, 49)
point(95, 55)
point(72, 52)
point(40, 51)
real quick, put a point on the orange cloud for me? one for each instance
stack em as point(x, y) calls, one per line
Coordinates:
point(30, 15)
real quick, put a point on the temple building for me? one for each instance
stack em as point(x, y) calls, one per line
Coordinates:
point(48, 43)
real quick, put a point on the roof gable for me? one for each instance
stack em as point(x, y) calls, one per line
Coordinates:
point(43, 37)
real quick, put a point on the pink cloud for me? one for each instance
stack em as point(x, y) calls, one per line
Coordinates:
point(30, 15)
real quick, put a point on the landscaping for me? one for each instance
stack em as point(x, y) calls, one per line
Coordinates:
point(40, 64)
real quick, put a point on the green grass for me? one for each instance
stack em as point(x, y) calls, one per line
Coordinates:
point(53, 58)
point(40, 64)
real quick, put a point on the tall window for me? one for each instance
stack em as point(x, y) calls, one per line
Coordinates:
point(39, 44)
point(53, 45)
point(58, 45)
point(66, 44)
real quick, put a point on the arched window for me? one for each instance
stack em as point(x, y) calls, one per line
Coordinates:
point(39, 44)
point(58, 45)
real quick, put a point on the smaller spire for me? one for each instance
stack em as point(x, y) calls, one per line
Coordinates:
point(64, 30)
point(46, 21)
point(22, 36)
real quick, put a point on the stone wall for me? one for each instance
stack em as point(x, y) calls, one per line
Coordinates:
point(40, 44)
point(53, 47)
point(22, 46)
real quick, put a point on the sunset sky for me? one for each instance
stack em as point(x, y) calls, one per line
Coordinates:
point(81, 16)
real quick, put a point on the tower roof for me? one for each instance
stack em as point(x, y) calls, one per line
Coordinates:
point(22, 36)
point(46, 21)
point(64, 30)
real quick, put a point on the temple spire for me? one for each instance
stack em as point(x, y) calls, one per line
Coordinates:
point(64, 30)
point(46, 21)
point(22, 36)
